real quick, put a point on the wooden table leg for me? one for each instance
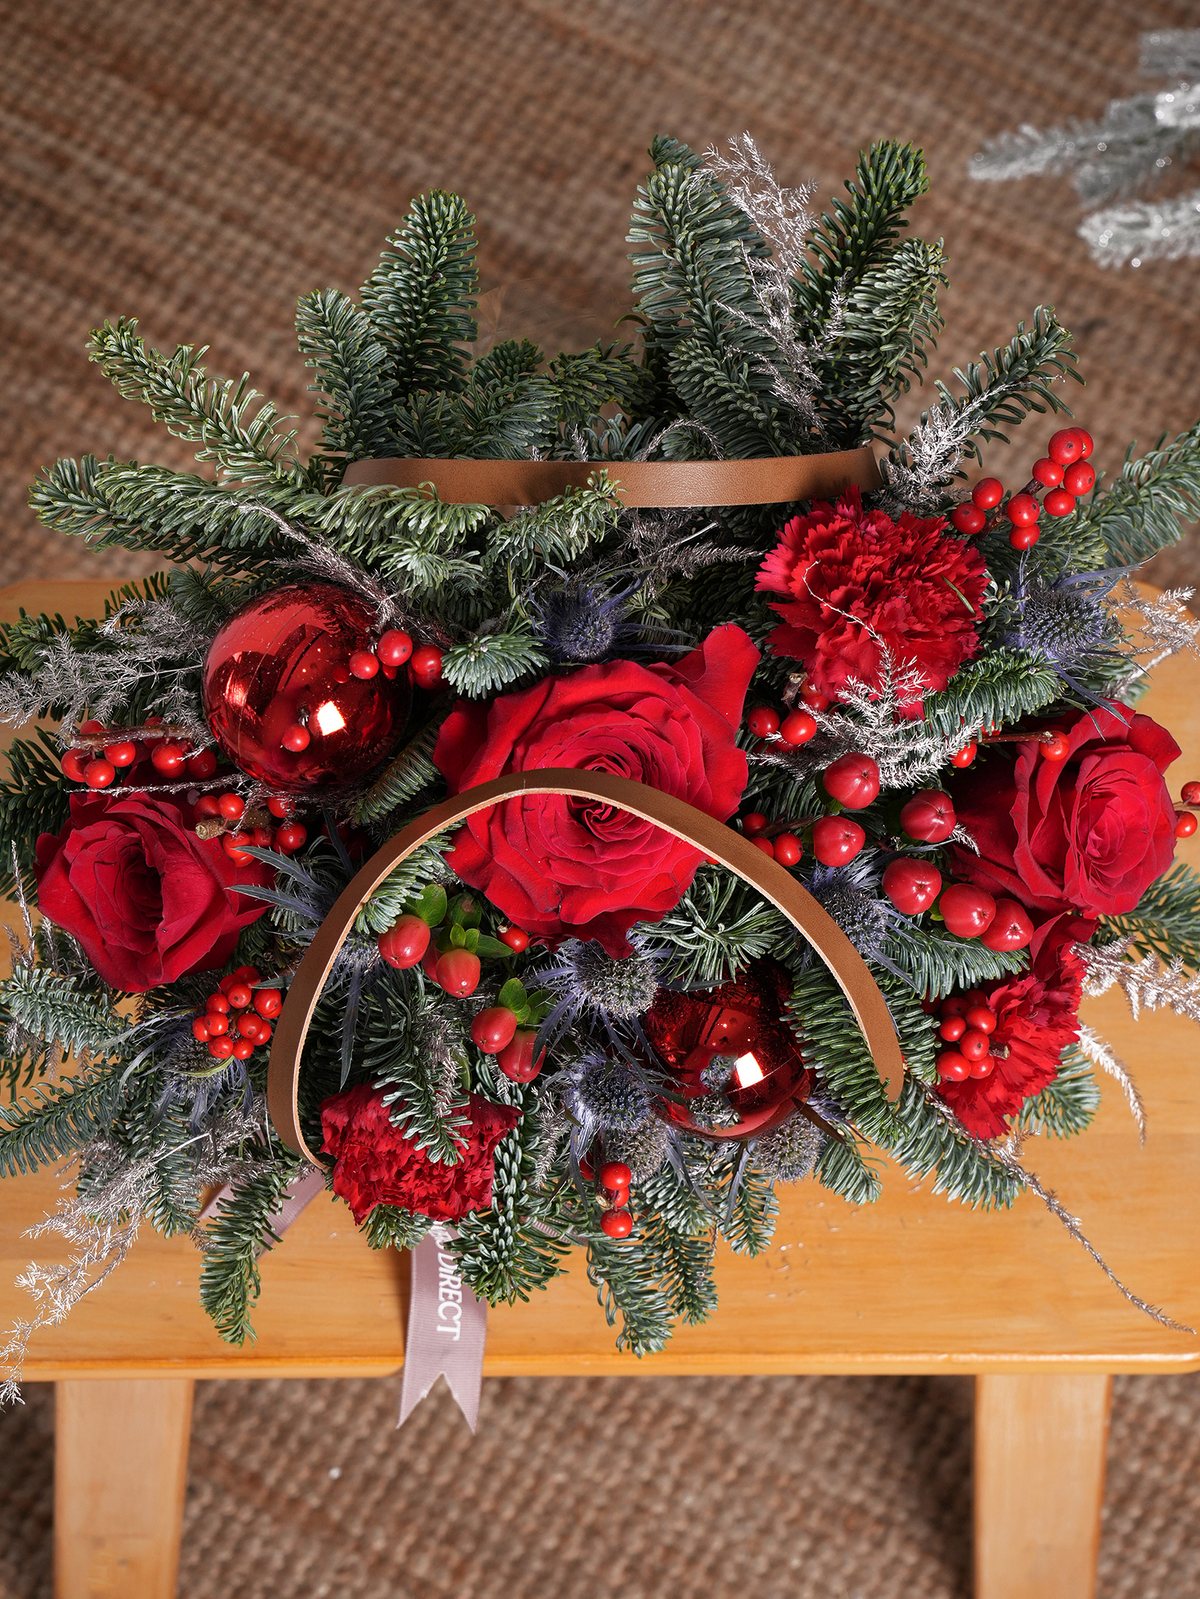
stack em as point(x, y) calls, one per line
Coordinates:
point(120, 1471)
point(1039, 1485)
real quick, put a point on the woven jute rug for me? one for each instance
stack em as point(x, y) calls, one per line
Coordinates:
point(201, 167)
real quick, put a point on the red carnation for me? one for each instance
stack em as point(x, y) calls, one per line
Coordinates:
point(147, 899)
point(1036, 1017)
point(1089, 833)
point(556, 866)
point(377, 1165)
point(859, 584)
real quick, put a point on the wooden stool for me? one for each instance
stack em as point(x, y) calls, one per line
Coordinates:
point(911, 1284)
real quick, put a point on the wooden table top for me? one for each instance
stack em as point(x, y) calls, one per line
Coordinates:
point(911, 1284)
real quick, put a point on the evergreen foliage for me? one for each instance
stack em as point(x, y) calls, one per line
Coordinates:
point(53, 1123)
point(1067, 1105)
point(239, 1232)
point(1166, 921)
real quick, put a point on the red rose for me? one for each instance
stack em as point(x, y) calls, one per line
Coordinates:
point(859, 583)
point(147, 899)
point(556, 866)
point(1036, 1017)
point(1089, 833)
point(377, 1165)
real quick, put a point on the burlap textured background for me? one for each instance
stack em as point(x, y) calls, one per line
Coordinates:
point(201, 167)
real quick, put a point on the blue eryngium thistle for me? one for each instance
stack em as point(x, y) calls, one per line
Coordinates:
point(850, 895)
point(1068, 623)
point(583, 623)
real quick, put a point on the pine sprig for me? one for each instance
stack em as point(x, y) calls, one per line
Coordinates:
point(404, 777)
point(929, 1139)
point(237, 1236)
point(996, 689)
point(719, 925)
point(53, 1123)
point(625, 1283)
point(60, 1010)
point(1166, 920)
point(844, 1170)
point(1068, 1104)
point(357, 392)
point(34, 799)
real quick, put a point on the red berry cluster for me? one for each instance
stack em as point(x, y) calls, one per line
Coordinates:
point(98, 763)
point(1063, 473)
point(1186, 821)
point(237, 1016)
point(393, 650)
point(231, 807)
point(615, 1180)
point(791, 727)
point(967, 1023)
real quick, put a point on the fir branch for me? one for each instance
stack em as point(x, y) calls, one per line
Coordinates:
point(61, 1010)
point(931, 1139)
point(1165, 922)
point(239, 1233)
point(232, 423)
point(420, 297)
point(491, 661)
point(357, 393)
point(842, 1168)
point(751, 1209)
point(53, 1124)
point(556, 533)
point(416, 1050)
point(389, 1228)
point(998, 688)
point(405, 776)
point(936, 963)
point(404, 882)
point(832, 1043)
point(718, 925)
point(1145, 509)
point(624, 1280)
point(34, 799)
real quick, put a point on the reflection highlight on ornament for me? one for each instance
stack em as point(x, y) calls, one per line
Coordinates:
point(328, 718)
point(747, 1071)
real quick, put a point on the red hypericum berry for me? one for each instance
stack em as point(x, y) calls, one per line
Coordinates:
point(222, 1048)
point(516, 1060)
point(981, 1019)
point(122, 754)
point(1058, 502)
point(1048, 472)
point(763, 721)
point(912, 885)
point(1023, 510)
point(1065, 446)
point(968, 518)
point(788, 849)
point(953, 1066)
point(964, 756)
point(1079, 479)
point(516, 938)
point(797, 727)
point(364, 664)
point(967, 911)
point(1055, 748)
point(262, 837)
point(1010, 928)
point(231, 805)
point(493, 1029)
point(616, 1223)
point(405, 942)
point(952, 1028)
point(1024, 538)
point(73, 763)
point(813, 698)
point(296, 738)
point(202, 764)
point(1185, 824)
point(243, 1048)
point(753, 823)
point(1190, 794)
point(426, 667)
point(765, 845)
point(973, 1045)
point(279, 806)
point(239, 995)
point(268, 1002)
point(836, 840)
point(615, 1174)
point(1085, 442)
point(987, 493)
point(929, 816)
point(202, 1031)
point(218, 1022)
point(852, 780)
point(99, 774)
point(394, 648)
point(168, 758)
point(458, 972)
point(218, 1003)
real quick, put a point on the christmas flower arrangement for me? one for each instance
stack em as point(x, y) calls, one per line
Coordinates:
point(557, 1025)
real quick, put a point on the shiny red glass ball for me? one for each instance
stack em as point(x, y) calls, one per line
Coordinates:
point(283, 660)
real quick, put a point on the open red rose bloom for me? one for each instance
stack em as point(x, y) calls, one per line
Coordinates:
point(1036, 1017)
point(559, 867)
point(375, 1164)
point(1089, 833)
point(857, 583)
point(147, 899)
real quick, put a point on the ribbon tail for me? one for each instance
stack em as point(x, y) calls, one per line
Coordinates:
point(447, 1331)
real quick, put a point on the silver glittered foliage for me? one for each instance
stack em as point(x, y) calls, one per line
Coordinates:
point(1147, 984)
point(1100, 1053)
point(1132, 148)
point(1164, 623)
point(147, 642)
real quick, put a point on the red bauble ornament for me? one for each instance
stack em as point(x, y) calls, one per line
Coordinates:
point(852, 780)
point(283, 661)
point(742, 1019)
point(929, 816)
point(911, 885)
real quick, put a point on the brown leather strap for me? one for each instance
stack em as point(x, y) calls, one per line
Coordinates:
point(714, 838)
point(769, 480)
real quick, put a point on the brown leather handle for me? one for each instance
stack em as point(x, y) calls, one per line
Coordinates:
point(714, 838)
point(767, 480)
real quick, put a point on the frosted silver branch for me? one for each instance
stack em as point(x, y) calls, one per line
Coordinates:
point(1171, 53)
point(1147, 984)
point(1095, 1049)
point(1165, 623)
point(1142, 230)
